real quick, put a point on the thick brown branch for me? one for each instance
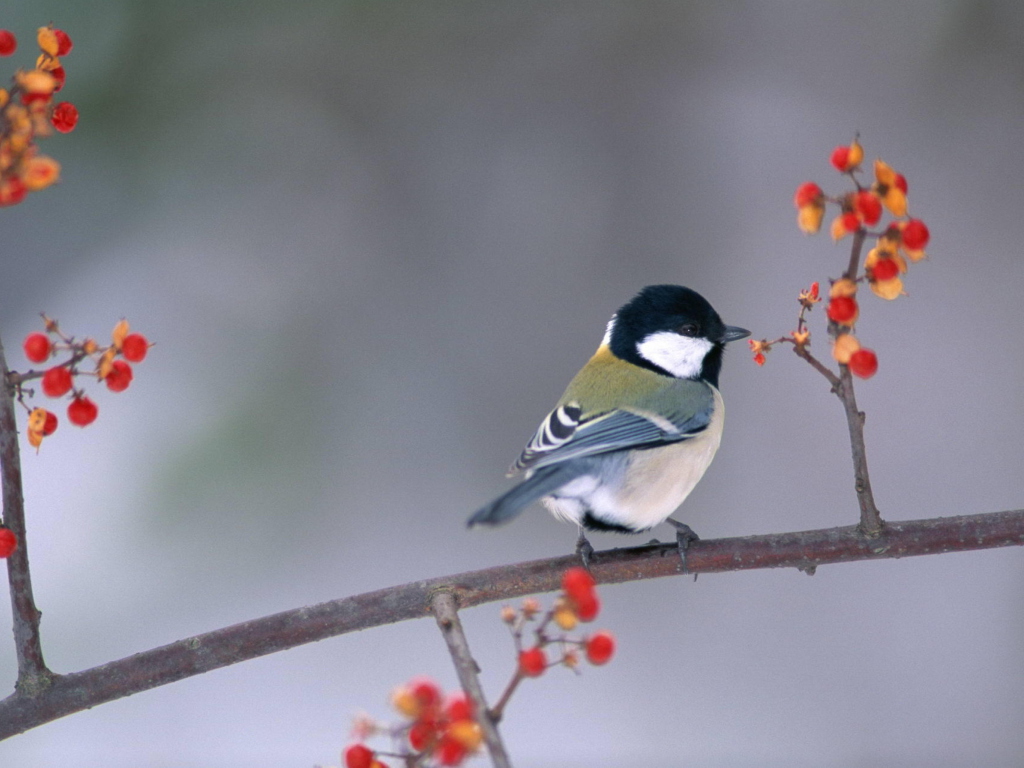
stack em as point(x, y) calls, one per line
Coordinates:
point(444, 605)
point(32, 671)
point(805, 550)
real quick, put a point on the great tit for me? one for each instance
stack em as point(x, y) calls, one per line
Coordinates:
point(637, 426)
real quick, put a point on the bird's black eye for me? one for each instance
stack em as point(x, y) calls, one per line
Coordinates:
point(688, 329)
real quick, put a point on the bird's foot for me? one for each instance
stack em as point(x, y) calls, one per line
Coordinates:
point(684, 538)
point(584, 549)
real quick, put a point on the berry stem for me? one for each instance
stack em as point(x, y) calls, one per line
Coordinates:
point(33, 676)
point(444, 606)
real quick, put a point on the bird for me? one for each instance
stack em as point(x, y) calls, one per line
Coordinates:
point(636, 428)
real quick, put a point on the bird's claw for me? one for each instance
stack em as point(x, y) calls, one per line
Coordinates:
point(584, 549)
point(684, 538)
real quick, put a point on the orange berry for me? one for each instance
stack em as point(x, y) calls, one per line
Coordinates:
point(8, 542)
point(82, 411)
point(532, 662)
point(358, 756)
point(467, 733)
point(600, 648)
point(57, 381)
point(863, 363)
point(37, 347)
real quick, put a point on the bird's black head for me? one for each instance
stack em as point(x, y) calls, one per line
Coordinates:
point(672, 330)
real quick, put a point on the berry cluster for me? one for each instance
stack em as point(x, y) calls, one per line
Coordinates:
point(111, 365)
point(436, 730)
point(578, 602)
point(901, 241)
point(28, 112)
point(443, 732)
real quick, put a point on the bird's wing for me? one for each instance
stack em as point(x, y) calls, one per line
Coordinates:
point(567, 433)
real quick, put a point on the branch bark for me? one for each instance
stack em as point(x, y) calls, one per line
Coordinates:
point(28, 708)
point(32, 672)
point(444, 605)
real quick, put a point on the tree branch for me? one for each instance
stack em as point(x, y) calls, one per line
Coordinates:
point(27, 708)
point(32, 672)
point(444, 605)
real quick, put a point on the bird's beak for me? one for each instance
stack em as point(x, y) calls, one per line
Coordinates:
point(734, 332)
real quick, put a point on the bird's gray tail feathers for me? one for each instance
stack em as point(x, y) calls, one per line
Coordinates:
point(542, 482)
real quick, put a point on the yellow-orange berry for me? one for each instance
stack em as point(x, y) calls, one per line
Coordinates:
point(845, 345)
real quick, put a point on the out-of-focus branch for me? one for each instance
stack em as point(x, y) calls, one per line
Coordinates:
point(443, 603)
point(805, 550)
point(32, 672)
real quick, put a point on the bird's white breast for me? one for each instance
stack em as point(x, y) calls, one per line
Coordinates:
point(653, 484)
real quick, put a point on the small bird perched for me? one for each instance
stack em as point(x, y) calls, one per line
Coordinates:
point(637, 426)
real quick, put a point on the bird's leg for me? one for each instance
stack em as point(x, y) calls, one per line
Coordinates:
point(584, 549)
point(684, 538)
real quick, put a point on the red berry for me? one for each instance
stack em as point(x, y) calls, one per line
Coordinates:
point(60, 76)
point(759, 358)
point(450, 751)
point(851, 222)
point(64, 117)
point(842, 310)
point(863, 363)
point(458, 707)
point(64, 44)
point(56, 381)
point(120, 376)
point(422, 735)
point(840, 158)
point(82, 411)
point(885, 269)
point(358, 756)
point(8, 542)
point(587, 608)
point(901, 183)
point(50, 425)
point(426, 693)
point(807, 193)
point(600, 648)
point(8, 42)
point(12, 191)
point(533, 662)
point(868, 206)
point(37, 347)
point(578, 584)
point(915, 235)
point(134, 347)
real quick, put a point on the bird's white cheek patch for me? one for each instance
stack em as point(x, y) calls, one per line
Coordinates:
point(682, 356)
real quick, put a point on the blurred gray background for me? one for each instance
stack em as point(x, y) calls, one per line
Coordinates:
point(374, 240)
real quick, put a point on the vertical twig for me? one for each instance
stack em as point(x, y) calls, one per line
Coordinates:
point(443, 605)
point(870, 518)
point(32, 672)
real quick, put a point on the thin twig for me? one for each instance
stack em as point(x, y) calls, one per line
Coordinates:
point(33, 675)
point(193, 656)
point(444, 605)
